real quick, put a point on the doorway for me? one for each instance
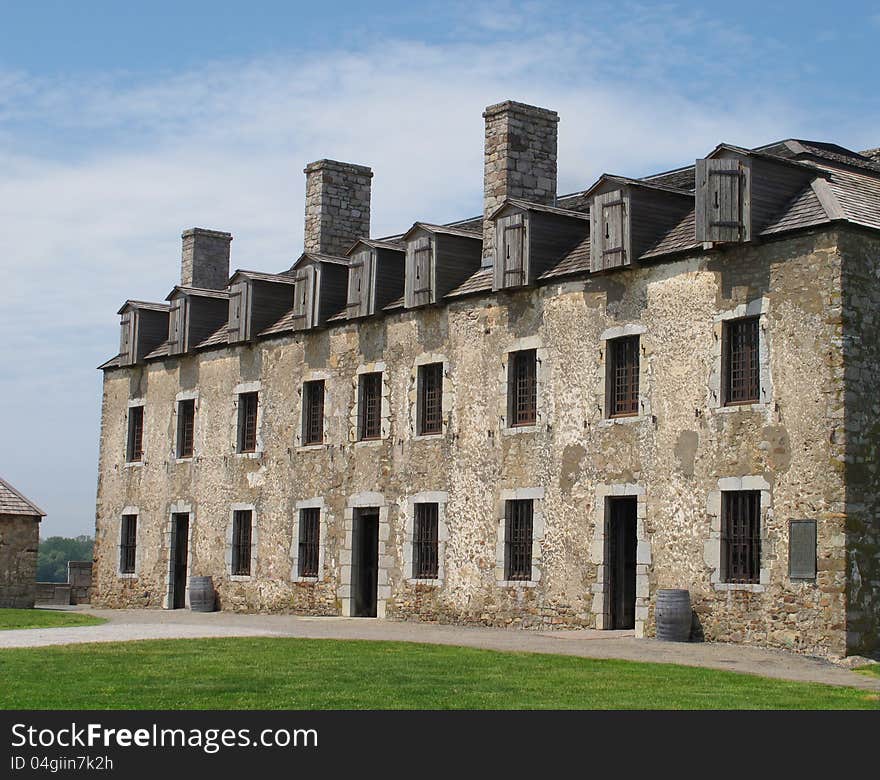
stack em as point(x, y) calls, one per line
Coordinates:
point(179, 557)
point(622, 561)
point(365, 561)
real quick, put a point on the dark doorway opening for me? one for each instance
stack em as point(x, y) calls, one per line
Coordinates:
point(622, 561)
point(179, 555)
point(365, 562)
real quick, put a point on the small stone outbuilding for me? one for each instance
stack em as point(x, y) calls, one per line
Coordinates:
point(19, 541)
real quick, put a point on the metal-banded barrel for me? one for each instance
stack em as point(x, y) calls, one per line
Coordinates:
point(673, 614)
point(201, 594)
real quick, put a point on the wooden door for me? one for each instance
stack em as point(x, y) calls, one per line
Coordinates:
point(365, 562)
point(179, 556)
point(622, 561)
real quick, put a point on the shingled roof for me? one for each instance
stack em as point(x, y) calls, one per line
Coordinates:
point(845, 186)
point(14, 503)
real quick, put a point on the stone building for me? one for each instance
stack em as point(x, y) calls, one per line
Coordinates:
point(19, 543)
point(538, 416)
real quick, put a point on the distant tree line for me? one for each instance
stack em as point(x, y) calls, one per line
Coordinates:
point(56, 551)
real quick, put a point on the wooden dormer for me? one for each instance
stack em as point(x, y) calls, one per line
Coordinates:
point(531, 238)
point(739, 191)
point(628, 216)
point(193, 316)
point(321, 289)
point(256, 300)
point(375, 276)
point(143, 327)
point(438, 259)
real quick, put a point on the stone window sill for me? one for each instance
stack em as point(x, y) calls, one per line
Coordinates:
point(127, 576)
point(240, 577)
point(428, 437)
point(370, 442)
point(517, 583)
point(746, 587)
point(307, 580)
point(189, 459)
point(133, 464)
point(762, 406)
point(435, 582)
point(632, 419)
point(249, 455)
point(311, 447)
point(513, 431)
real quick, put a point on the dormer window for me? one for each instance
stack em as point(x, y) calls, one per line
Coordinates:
point(194, 315)
point(438, 259)
point(629, 216)
point(530, 239)
point(257, 300)
point(143, 328)
point(320, 290)
point(303, 294)
point(375, 276)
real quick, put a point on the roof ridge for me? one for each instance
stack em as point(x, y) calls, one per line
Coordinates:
point(21, 496)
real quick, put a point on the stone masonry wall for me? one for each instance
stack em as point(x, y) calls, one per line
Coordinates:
point(675, 456)
point(19, 542)
point(519, 161)
point(337, 206)
point(861, 429)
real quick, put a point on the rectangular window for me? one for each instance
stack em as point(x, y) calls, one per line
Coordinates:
point(247, 422)
point(623, 376)
point(425, 553)
point(313, 412)
point(522, 388)
point(370, 406)
point(742, 383)
point(430, 399)
point(135, 450)
point(241, 542)
point(741, 536)
point(518, 540)
point(309, 541)
point(128, 544)
point(186, 418)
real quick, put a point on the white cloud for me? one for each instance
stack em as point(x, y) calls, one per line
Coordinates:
point(101, 175)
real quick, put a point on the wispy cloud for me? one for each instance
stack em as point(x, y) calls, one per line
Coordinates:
point(100, 175)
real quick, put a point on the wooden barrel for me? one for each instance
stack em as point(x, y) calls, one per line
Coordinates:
point(673, 614)
point(201, 594)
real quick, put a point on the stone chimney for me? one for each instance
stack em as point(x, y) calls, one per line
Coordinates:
point(337, 206)
point(205, 259)
point(520, 160)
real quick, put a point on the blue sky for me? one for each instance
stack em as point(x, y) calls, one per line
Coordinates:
point(121, 124)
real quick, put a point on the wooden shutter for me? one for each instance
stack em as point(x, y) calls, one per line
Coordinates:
point(238, 329)
point(359, 284)
point(126, 339)
point(609, 231)
point(722, 202)
point(510, 270)
point(175, 327)
point(303, 298)
point(420, 253)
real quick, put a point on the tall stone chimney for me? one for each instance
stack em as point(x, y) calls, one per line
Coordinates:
point(337, 206)
point(205, 259)
point(520, 159)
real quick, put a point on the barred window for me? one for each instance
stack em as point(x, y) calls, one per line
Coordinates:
point(425, 552)
point(741, 536)
point(313, 412)
point(430, 399)
point(186, 417)
point(247, 422)
point(623, 376)
point(241, 542)
point(522, 387)
point(128, 544)
point(518, 539)
point(309, 541)
point(742, 379)
point(370, 406)
point(135, 449)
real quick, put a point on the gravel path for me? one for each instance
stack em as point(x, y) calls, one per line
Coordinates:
point(128, 625)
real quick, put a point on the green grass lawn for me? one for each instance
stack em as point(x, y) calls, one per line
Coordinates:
point(873, 669)
point(44, 618)
point(283, 673)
